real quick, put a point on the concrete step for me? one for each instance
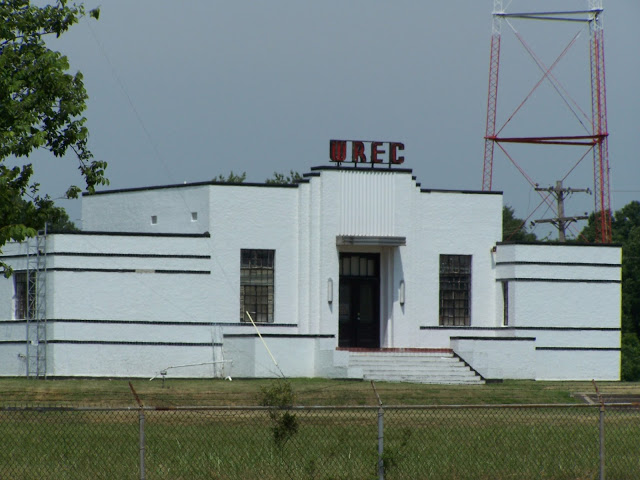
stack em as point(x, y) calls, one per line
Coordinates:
point(408, 362)
point(401, 353)
point(434, 380)
point(413, 367)
point(417, 371)
point(416, 367)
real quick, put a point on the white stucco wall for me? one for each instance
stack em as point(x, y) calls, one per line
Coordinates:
point(498, 358)
point(569, 298)
point(145, 361)
point(131, 210)
point(130, 278)
point(248, 217)
point(461, 224)
point(295, 356)
point(578, 365)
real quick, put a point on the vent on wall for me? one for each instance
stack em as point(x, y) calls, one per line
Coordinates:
point(194, 216)
point(154, 219)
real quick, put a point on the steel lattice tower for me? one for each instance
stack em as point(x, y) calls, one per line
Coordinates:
point(595, 139)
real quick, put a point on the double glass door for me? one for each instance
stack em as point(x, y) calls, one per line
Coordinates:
point(359, 300)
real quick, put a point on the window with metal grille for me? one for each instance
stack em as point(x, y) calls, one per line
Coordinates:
point(455, 290)
point(25, 295)
point(257, 268)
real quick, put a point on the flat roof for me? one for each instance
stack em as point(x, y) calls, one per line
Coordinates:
point(315, 172)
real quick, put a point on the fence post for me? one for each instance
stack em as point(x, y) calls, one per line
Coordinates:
point(380, 443)
point(380, 435)
point(142, 444)
point(141, 422)
point(601, 455)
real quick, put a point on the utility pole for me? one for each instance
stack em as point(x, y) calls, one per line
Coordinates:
point(561, 222)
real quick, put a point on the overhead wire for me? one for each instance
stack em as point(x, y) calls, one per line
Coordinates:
point(135, 111)
point(159, 296)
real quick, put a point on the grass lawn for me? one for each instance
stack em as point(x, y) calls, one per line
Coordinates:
point(216, 392)
point(553, 443)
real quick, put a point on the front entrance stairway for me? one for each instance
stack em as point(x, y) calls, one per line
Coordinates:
point(438, 366)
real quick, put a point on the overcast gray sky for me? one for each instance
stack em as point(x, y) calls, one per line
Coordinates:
point(184, 91)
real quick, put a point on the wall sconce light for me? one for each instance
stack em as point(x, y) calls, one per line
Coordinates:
point(330, 290)
point(401, 293)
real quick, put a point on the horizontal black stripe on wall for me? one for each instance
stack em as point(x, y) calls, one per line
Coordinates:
point(557, 280)
point(13, 342)
point(129, 255)
point(562, 244)
point(129, 270)
point(276, 335)
point(563, 264)
point(153, 322)
point(151, 344)
point(571, 329)
point(580, 349)
point(467, 192)
point(497, 339)
point(115, 255)
point(507, 329)
point(452, 327)
point(137, 234)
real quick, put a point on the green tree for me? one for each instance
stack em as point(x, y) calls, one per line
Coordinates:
point(625, 230)
point(514, 229)
point(282, 179)
point(630, 354)
point(231, 178)
point(41, 106)
point(19, 211)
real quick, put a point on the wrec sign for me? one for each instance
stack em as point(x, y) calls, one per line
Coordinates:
point(378, 152)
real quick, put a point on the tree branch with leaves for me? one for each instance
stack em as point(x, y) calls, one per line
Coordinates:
point(41, 107)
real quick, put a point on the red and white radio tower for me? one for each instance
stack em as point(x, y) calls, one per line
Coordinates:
point(595, 137)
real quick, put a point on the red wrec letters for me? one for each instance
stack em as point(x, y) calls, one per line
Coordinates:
point(377, 154)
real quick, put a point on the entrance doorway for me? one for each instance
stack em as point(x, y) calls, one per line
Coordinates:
point(359, 317)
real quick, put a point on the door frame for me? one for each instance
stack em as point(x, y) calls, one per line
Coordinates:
point(355, 281)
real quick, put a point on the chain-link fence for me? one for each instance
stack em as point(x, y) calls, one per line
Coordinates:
point(430, 442)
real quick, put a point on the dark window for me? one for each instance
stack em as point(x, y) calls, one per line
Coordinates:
point(25, 295)
point(455, 290)
point(256, 284)
point(358, 265)
point(505, 306)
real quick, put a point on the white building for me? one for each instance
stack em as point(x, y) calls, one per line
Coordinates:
point(352, 273)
